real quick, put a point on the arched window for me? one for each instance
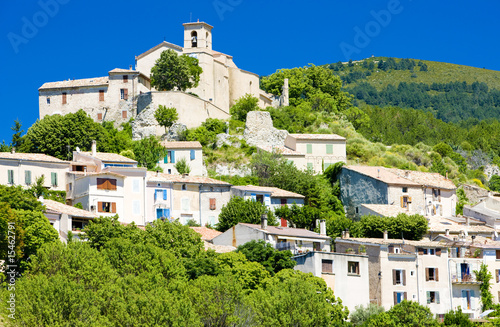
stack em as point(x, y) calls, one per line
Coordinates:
point(194, 39)
point(206, 39)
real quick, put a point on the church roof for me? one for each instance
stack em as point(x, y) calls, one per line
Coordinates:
point(96, 81)
point(163, 44)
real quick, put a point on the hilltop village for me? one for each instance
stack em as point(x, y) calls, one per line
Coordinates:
point(438, 270)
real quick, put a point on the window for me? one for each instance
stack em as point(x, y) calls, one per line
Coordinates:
point(124, 94)
point(136, 207)
point(432, 297)
point(399, 277)
point(326, 165)
point(184, 187)
point(212, 204)
point(136, 186)
point(53, 179)
point(432, 274)
point(160, 194)
point(436, 194)
point(124, 114)
point(106, 207)
point(327, 266)
point(10, 176)
point(48, 100)
point(170, 157)
point(101, 95)
point(106, 184)
point(405, 190)
point(422, 251)
point(309, 148)
point(259, 198)
point(399, 297)
point(64, 98)
point(405, 201)
point(99, 116)
point(125, 78)
point(162, 213)
point(497, 275)
point(194, 39)
point(27, 177)
point(353, 267)
point(498, 254)
point(467, 296)
point(329, 149)
point(310, 165)
point(192, 154)
point(186, 204)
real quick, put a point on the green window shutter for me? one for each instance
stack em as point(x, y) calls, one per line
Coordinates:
point(309, 165)
point(309, 148)
point(10, 176)
point(329, 149)
point(428, 297)
point(53, 179)
point(437, 298)
point(27, 177)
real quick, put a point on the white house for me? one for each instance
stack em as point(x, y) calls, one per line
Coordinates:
point(191, 152)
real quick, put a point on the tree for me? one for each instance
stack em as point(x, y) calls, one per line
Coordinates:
point(484, 276)
point(17, 140)
point(411, 227)
point(148, 152)
point(494, 183)
point(239, 210)
point(264, 253)
point(457, 319)
point(243, 106)
point(172, 71)
point(182, 167)
point(362, 314)
point(166, 117)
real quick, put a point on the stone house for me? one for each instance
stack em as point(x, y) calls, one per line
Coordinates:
point(185, 198)
point(428, 194)
point(487, 210)
point(124, 93)
point(189, 151)
point(65, 218)
point(24, 168)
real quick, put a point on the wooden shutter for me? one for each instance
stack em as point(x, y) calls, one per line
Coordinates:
point(101, 183)
point(27, 177)
point(99, 116)
point(113, 207)
point(437, 298)
point(498, 254)
point(406, 295)
point(394, 276)
point(111, 184)
point(164, 194)
point(192, 154)
point(402, 202)
point(101, 95)
point(64, 98)
point(497, 277)
point(436, 274)
point(99, 207)
point(327, 266)
point(395, 298)
point(390, 248)
point(125, 94)
point(404, 277)
point(212, 204)
point(427, 274)
point(428, 297)
point(438, 252)
point(124, 114)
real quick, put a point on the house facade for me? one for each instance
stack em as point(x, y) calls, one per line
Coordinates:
point(185, 198)
point(487, 210)
point(191, 152)
point(24, 168)
point(428, 194)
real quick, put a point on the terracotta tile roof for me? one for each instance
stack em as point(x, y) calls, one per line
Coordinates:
point(66, 209)
point(81, 174)
point(281, 149)
point(385, 210)
point(182, 145)
point(427, 179)
point(31, 157)
point(162, 177)
point(163, 44)
point(440, 224)
point(121, 70)
point(287, 231)
point(381, 241)
point(96, 81)
point(317, 137)
point(275, 192)
point(206, 233)
point(218, 248)
point(198, 23)
point(110, 157)
point(383, 174)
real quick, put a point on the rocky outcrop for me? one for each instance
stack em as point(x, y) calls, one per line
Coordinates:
point(229, 140)
point(174, 132)
point(259, 130)
point(229, 170)
point(144, 124)
point(474, 193)
point(491, 170)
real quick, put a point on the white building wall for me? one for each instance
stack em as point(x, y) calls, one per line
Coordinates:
point(195, 165)
point(158, 203)
point(417, 205)
point(147, 62)
point(37, 169)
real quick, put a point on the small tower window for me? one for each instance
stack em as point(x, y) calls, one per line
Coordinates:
point(194, 39)
point(206, 39)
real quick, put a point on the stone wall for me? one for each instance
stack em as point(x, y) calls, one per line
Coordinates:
point(259, 130)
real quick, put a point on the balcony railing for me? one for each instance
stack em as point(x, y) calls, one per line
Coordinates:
point(464, 278)
point(283, 246)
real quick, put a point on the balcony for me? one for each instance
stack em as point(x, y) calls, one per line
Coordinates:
point(283, 246)
point(464, 279)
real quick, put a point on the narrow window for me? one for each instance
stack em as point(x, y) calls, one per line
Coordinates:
point(212, 204)
point(64, 98)
point(124, 94)
point(27, 177)
point(124, 114)
point(53, 179)
point(10, 176)
point(99, 116)
point(327, 266)
point(184, 187)
point(101, 95)
point(125, 78)
point(432, 297)
point(329, 149)
point(48, 100)
point(353, 267)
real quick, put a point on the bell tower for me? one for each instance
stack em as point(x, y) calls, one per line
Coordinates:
point(198, 36)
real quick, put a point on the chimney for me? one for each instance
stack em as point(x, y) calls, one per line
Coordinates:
point(346, 233)
point(13, 150)
point(378, 170)
point(467, 221)
point(493, 236)
point(447, 232)
point(94, 148)
point(322, 227)
point(130, 67)
point(157, 172)
point(386, 235)
point(263, 221)
point(185, 175)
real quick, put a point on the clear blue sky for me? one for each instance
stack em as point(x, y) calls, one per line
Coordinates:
point(82, 39)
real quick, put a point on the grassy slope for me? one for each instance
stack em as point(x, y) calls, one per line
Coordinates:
point(438, 72)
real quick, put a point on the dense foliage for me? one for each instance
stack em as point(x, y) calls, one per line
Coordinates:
point(166, 117)
point(272, 259)
point(239, 210)
point(172, 71)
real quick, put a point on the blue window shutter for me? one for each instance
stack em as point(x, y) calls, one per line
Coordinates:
point(165, 160)
point(159, 213)
point(164, 194)
point(267, 199)
point(156, 191)
point(166, 213)
point(192, 155)
point(253, 196)
point(173, 156)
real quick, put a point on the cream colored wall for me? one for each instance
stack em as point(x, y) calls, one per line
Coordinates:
point(352, 289)
point(448, 202)
point(318, 157)
point(132, 198)
point(241, 83)
point(152, 204)
point(37, 169)
point(221, 86)
point(442, 285)
point(395, 192)
point(147, 62)
point(196, 165)
point(191, 193)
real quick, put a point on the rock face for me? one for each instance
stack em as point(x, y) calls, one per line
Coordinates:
point(174, 132)
point(474, 193)
point(144, 124)
point(259, 130)
point(491, 170)
point(230, 170)
point(230, 140)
